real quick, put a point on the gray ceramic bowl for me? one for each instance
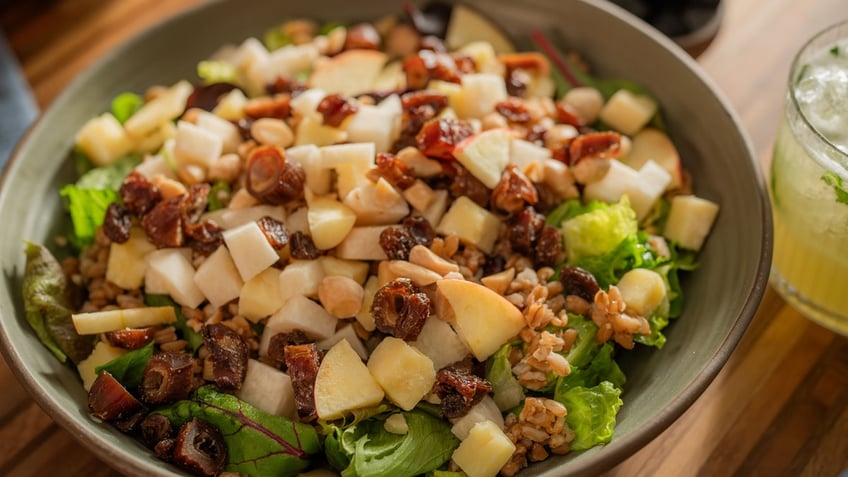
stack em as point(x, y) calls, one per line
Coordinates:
point(721, 297)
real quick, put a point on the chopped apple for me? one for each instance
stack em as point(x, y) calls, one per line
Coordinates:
point(482, 318)
point(268, 389)
point(690, 220)
point(467, 25)
point(643, 290)
point(523, 153)
point(439, 342)
point(379, 125)
point(177, 274)
point(356, 270)
point(350, 73)
point(436, 210)
point(377, 203)
point(104, 140)
point(485, 155)
point(471, 223)
point(231, 106)
point(344, 383)
point(290, 61)
point(329, 221)
point(404, 373)
point(163, 109)
point(318, 178)
point(306, 103)
point(218, 278)
point(485, 410)
point(96, 322)
point(364, 317)
point(362, 243)
point(484, 451)
point(346, 332)
point(652, 180)
point(392, 78)
point(301, 277)
point(299, 313)
point(653, 144)
point(310, 130)
point(616, 182)
point(628, 112)
point(196, 146)
point(480, 93)
point(419, 195)
point(260, 297)
point(127, 264)
point(102, 353)
point(250, 250)
point(225, 130)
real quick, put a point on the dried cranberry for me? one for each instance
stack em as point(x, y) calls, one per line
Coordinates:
point(524, 229)
point(420, 229)
point(396, 242)
point(117, 223)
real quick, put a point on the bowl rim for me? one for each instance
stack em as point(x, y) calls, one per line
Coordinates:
point(614, 453)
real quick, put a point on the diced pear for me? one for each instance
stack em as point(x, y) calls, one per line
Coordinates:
point(102, 353)
point(356, 270)
point(471, 223)
point(396, 424)
point(301, 277)
point(155, 165)
point(616, 182)
point(177, 274)
point(364, 317)
point(362, 243)
point(329, 221)
point(653, 144)
point(377, 203)
point(298, 221)
point(306, 103)
point(628, 112)
point(310, 131)
point(480, 93)
point(379, 125)
point(643, 290)
point(467, 25)
point(436, 210)
point(218, 278)
point(290, 60)
point(485, 410)
point(649, 186)
point(522, 153)
point(250, 250)
point(299, 313)
point(344, 383)
point(260, 297)
point(485, 155)
point(104, 140)
point(484, 451)
point(196, 146)
point(346, 332)
point(127, 264)
point(268, 389)
point(232, 218)
point(163, 109)
point(439, 342)
point(419, 195)
point(404, 373)
point(350, 161)
point(350, 73)
point(318, 178)
point(690, 220)
point(231, 106)
point(482, 318)
point(96, 322)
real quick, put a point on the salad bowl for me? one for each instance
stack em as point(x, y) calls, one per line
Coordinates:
point(721, 296)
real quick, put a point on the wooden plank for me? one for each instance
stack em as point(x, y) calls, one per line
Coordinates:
point(57, 453)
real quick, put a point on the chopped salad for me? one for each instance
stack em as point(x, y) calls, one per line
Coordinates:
point(394, 248)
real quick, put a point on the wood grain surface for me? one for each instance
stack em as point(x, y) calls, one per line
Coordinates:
point(779, 406)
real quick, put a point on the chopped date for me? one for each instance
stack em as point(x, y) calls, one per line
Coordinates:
point(164, 223)
point(277, 106)
point(579, 282)
point(516, 83)
point(413, 120)
point(206, 236)
point(566, 114)
point(284, 84)
point(548, 250)
point(389, 167)
point(206, 97)
point(167, 377)
point(196, 201)
point(433, 43)
point(464, 63)
point(272, 178)
point(362, 36)
point(302, 247)
point(459, 390)
point(130, 338)
point(514, 110)
point(416, 72)
point(277, 346)
point(526, 60)
point(200, 448)
point(463, 183)
point(229, 355)
point(414, 99)
point(302, 362)
point(335, 108)
point(400, 309)
point(514, 191)
point(243, 125)
point(438, 137)
point(110, 401)
point(117, 223)
point(155, 428)
point(524, 229)
point(425, 65)
point(274, 231)
point(601, 145)
point(536, 134)
point(139, 194)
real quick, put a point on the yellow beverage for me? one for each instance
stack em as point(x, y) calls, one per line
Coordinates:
point(809, 184)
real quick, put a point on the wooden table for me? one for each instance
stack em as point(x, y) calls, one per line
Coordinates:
point(780, 405)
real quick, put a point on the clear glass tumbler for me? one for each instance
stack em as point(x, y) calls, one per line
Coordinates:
point(809, 183)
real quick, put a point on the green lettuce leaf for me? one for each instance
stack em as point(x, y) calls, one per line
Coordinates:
point(632, 252)
point(218, 193)
point(570, 209)
point(585, 347)
point(193, 338)
point(108, 177)
point(129, 368)
point(258, 443)
point(591, 414)
point(506, 390)
point(46, 294)
point(88, 209)
point(372, 451)
point(211, 71)
point(125, 105)
point(657, 321)
point(599, 231)
point(602, 368)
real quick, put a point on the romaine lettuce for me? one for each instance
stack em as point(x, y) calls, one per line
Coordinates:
point(506, 390)
point(591, 413)
point(602, 368)
point(597, 232)
point(125, 105)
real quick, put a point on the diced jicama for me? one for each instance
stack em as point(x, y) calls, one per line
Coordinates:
point(268, 389)
point(485, 410)
point(218, 278)
point(260, 296)
point(196, 146)
point(177, 274)
point(127, 265)
point(250, 249)
point(299, 313)
point(102, 353)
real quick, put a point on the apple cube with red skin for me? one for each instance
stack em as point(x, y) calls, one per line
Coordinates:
point(485, 155)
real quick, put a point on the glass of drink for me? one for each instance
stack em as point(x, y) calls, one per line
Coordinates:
point(809, 183)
